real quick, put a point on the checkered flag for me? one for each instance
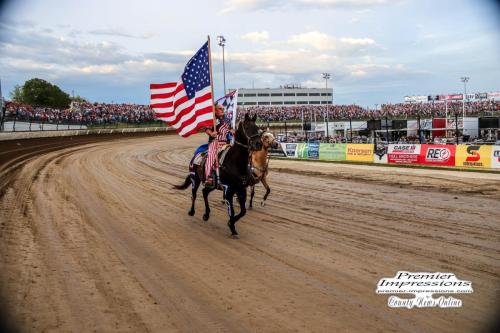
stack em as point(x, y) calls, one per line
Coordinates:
point(229, 102)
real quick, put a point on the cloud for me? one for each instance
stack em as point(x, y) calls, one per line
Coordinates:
point(117, 33)
point(317, 40)
point(357, 41)
point(257, 37)
point(252, 5)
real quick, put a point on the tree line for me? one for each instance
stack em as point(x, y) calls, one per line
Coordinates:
point(40, 93)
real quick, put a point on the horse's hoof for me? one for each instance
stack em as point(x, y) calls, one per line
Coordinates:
point(206, 217)
point(191, 213)
point(262, 204)
point(233, 236)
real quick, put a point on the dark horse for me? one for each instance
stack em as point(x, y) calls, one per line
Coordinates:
point(233, 172)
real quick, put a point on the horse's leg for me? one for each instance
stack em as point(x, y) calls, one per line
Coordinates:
point(223, 196)
point(206, 191)
point(195, 183)
point(242, 199)
point(229, 193)
point(252, 193)
point(268, 190)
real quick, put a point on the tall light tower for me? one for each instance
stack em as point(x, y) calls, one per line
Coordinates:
point(326, 76)
point(222, 42)
point(464, 79)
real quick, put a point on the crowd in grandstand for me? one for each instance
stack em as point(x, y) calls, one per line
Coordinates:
point(102, 113)
point(82, 113)
point(399, 110)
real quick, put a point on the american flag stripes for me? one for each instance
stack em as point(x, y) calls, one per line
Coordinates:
point(186, 105)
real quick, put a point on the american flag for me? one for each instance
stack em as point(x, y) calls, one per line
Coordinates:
point(186, 105)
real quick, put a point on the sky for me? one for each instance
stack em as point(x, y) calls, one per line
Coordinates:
point(377, 51)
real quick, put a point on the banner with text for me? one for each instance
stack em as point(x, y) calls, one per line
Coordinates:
point(361, 152)
point(332, 151)
point(474, 156)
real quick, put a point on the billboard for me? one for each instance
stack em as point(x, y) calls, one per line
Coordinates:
point(313, 150)
point(332, 151)
point(441, 155)
point(361, 152)
point(495, 157)
point(290, 149)
point(454, 97)
point(403, 153)
point(473, 156)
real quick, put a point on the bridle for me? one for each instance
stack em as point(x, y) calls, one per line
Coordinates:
point(249, 138)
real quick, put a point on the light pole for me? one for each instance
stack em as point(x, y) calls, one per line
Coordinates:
point(222, 42)
point(326, 76)
point(464, 79)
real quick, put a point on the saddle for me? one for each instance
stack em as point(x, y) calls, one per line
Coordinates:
point(200, 159)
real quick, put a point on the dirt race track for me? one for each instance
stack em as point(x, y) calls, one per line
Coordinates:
point(93, 238)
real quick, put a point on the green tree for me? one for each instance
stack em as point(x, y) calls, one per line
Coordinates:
point(38, 92)
point(16, 95)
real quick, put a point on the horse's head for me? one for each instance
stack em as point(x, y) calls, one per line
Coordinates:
point(268, 140)
point(248, 133)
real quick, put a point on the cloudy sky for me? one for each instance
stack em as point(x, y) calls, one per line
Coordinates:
point(377, 51)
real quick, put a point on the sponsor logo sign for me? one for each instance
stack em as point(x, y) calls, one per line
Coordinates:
point(313, 150)
point(423, 285)
point(495, 157)
point(332, 151)
point(403, 153)
point(302, 150)
point(437, 155)
point(380, 154)
point(473, 156)
point(359, 152)
point(290, 149)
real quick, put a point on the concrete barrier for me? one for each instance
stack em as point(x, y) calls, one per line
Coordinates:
point(5, 136)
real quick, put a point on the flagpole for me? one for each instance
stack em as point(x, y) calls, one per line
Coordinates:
point(211, 81)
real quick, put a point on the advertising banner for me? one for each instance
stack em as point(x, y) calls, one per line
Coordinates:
point(455, 97)
point(439, 127)
point(290, 149)
point(450, 123)
point(332, 151)
point(403, 153)
point(495, 157)
point(359, 152)
point(443, 155)
point(380, 154)
point(302, 150)
point(313, 150)
point(473, 156)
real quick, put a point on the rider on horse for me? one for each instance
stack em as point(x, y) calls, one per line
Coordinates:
point(217, 139)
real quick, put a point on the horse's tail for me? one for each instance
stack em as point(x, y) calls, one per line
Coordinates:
point(186, 184)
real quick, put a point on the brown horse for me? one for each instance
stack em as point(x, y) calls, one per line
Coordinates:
point(259, 166)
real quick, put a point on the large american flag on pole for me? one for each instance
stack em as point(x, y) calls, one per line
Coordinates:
point(186, 105)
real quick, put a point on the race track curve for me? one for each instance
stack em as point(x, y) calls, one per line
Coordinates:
point(94, 238)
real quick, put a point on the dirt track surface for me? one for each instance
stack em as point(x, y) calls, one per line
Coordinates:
point(93, 238)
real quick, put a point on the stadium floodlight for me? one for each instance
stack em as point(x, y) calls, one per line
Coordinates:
point(326, 76)
point(222, 42)
point(464, 79)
